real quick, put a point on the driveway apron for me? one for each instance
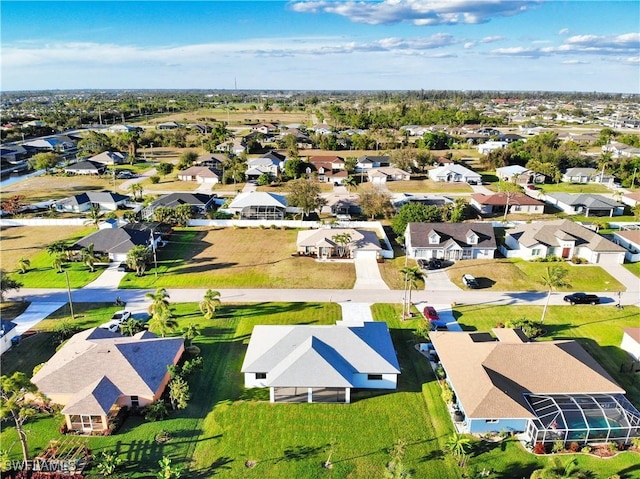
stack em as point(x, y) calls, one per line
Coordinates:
point(368, 274)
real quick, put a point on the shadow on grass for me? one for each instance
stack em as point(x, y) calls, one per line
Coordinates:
point(221, 463)
point(516, 469)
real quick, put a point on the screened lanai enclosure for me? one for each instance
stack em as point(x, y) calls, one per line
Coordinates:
point(583, 418)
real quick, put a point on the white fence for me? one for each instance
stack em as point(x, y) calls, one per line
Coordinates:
point(387, 252)
point(44, 222)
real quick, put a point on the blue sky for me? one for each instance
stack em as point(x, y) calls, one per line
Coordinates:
point(322, 45)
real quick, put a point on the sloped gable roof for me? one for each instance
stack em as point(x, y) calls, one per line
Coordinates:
point(452, 232)
point(85, 166)
point(175, 199)
point(110, 157)
point(329, 354)
point(586, 199)
point(96, 399)
point(134, 365)
point(115, 240)
point(258, 198)
point(452, 168)
point(501, 199)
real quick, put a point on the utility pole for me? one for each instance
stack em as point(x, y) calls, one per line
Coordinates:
point(155, 258)
point(66, 274)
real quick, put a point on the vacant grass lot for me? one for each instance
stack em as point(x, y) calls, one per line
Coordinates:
point(427, 186)
point(518, 275)
point(226, 425)
point(240, 258)
point(55, 187)
point(633, 267)
point(573, 188)
point(28, 241)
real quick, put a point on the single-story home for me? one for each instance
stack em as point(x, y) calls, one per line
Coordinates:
point(307, 363)
point(586, 204)
point(579, 175)
point(200, 202)
point(498, 202)
point(97, 372)
point(549, 390)
point(105, 200)
point(630, 241)
point(109, 158)
point(561, 238)
point(631, 342)
point(86, 167)
point(258, 205)
point(116, 242)
point(200, 174)
point(169, 125)
point(491, 145)
point(455, 173)
point(400, 199)
point(325, 243)
point(450, 241)
point(631, 199)
point(8, 331)
point(387, 173)
point(519, 174)
point(621, 150)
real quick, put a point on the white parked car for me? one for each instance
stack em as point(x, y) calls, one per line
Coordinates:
point(113, 326)
point(121, 316)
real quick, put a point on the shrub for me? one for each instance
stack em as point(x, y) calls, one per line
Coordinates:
point(612, 446)
point(155, 179)
point(586, 449)
point(557, 446)
point(578, 260)
point(574, 447)
point(539, 448)
point(440, 372)
point(529, 328)
point(156, 411)
point(447, 393)
point(635, 442)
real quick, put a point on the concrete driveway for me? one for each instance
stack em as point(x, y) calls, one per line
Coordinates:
point(438, 280)
point(368, 274)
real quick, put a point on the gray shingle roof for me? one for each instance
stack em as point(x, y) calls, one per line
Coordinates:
point(320, 356)
point(96, 399)
point(590, 201)
point(452, 232)
point(114, 240)
point(174, 199)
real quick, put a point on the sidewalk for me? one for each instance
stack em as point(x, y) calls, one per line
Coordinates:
point(36, 312)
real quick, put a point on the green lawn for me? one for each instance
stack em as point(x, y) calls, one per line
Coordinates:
point(634, 268)
point(226, 425)
point(41, 273)
point(573, 188)
point(520, 275)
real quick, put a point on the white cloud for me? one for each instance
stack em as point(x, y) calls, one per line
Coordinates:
point(418, 12)
point(493, 39)
point(575, 62)
point(564, 31)
point(470, 44)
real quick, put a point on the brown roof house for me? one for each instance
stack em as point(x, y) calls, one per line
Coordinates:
point(561, 238)
point(450, 241)
point(200, 174)
point(97, 372)
point(326, 243)
point(548, 391)
point(515, 202)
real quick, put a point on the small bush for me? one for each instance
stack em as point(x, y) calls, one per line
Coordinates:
point(578, 260)
point(586, 449)
point(574, 447)
point(539, 448)
point(156, 411)
point(612, 446)
point(155, 179)
point(558, 446)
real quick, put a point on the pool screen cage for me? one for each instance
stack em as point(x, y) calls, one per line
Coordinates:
point(583, 418)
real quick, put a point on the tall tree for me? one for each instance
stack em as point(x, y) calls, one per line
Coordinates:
point(554, 279)
point(304, 193)
point(159, 302)
point(94, 143)
point(136, 190)
point(162, 322)
point(510, 189)
point(375, 203)
point(414, 213)
point(191, 332)
point(179, 394)
point(94, 216)
point(44, 161)
point(342, 240)
point(187, 159)
point(89, 257)
point(138, 258)
point(351, 183)
point(412, 275)
point(16, 404)
point(209, 304)
point(58, 262)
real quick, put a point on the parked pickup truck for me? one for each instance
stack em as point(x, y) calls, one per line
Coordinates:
point(582, 298)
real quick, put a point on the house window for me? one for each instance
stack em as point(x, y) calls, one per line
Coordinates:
point(491, 421)
point(472, 239)
point(261, 375)
point(434, 239)
point(374, 377)
point(535, 252)
point(135, 402)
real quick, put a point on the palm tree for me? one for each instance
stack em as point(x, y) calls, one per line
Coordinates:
point(58, 262)
point(136, 190)
point(553, 280)
point(130, 327)
point(94, 216)
point(458, 445)
point(190, 333)
point(89, 257)
point(556, 470)
point(162, 322)
point(159, 303)
point(412, 274)
point(209, 304)
point(351, 183)
point(23, 264)
point(342, 240)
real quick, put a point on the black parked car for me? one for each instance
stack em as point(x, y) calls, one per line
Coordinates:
point(582, 298)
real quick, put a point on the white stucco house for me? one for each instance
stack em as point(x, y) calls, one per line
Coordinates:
point(561, 238)
point(630, 241)
point(455, 173)
point(307, 363)
point(631, 342)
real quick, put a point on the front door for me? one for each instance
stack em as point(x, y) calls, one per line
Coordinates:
point(565, 252)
